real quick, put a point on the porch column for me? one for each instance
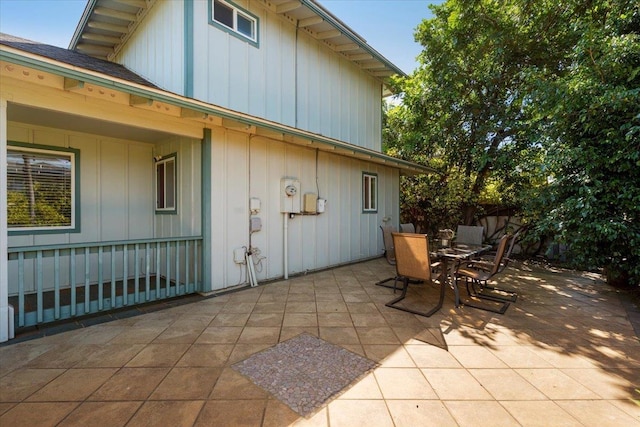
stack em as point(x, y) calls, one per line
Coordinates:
point(5, 330)
point(205, 219)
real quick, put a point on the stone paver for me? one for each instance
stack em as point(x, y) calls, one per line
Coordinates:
point(566, 353)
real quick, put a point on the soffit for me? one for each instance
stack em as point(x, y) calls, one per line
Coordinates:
point(106, 25)
point(325, 27)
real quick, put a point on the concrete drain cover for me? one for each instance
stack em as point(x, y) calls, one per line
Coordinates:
point(304, 372)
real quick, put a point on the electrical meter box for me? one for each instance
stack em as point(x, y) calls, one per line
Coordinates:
point(309, 203)
point(289, 195)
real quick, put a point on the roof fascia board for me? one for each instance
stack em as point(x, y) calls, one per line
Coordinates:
point(349, 33)
point(48, 65)
point(84, 19)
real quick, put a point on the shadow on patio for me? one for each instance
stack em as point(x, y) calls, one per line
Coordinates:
point(565, 353)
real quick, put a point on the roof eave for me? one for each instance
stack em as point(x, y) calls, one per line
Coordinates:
point(19, 57)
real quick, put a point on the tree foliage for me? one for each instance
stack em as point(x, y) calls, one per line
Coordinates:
point(593, 143)
point(530, 103)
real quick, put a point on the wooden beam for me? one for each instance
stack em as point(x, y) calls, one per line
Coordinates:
point(360, 57)
point(192, 114)
point(108, 27)
point(288, 7)
point(346, 47)
point(373, 66)
point(312, 20)
point(91, 49)
point(135, 100)
point(384, 73)
point(101, 38)
point(73, 84)
point(111, 13)
point(328, 34)
point(140, 4)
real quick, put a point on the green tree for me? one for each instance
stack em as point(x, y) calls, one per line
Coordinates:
point(590, 121)
point(462, 110)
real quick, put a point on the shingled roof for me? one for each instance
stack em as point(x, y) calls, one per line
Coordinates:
point(73, 58)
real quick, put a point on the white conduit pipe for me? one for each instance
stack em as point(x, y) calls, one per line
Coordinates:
point(286, 249)
point(251, 270)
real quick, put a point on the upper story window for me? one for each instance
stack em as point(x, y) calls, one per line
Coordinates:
point(369, 192)
point(42, 189)
point(166, 185)
point(239, 22)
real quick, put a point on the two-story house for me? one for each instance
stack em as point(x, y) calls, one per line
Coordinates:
point(187, 146)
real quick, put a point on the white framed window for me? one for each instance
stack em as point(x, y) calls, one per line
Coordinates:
point(167, 184)
point(42, 189)
point(237, 21)
point(369, 192)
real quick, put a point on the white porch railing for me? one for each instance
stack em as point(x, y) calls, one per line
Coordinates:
point(56, 282)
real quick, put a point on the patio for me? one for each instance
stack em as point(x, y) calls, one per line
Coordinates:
point(566, 353)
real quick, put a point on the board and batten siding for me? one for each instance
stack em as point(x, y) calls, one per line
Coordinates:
point(245, 166)
point(116, 191)
point(156, 49)
point(288, 78)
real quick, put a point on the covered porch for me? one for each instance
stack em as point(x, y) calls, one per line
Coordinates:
point(566, 353)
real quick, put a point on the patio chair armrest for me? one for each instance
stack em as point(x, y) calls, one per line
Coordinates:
point(480, 264)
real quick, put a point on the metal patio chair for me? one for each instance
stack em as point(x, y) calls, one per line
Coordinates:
point(389, 253)
point(413, 261)
point(470, 235)
point(478, 272)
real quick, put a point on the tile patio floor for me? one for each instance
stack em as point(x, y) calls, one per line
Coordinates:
point(565, 354)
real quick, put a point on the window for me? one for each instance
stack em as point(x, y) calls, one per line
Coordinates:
point(369, 192)
point(42, 193)
point(237, 21)
point(166, 185)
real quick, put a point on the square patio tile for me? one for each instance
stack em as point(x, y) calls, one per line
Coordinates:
point(130, 384)
point(480, 414)
point(404, 383)
point(101, 414)
point(420, 413)
point(37, 414)
point(73, 385)
point(529, 413)
point(167, 413)
point(19, 384)
point(455, 384)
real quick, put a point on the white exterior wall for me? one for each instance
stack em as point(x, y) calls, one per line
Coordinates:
point(156, 49)
point(290, 79)
point(116, 186)
point(187, 220)
point(116, 192)
point(246, 166)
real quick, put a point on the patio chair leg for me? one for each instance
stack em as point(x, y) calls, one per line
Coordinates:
point(429, 313)
point(510, 297)
point(500, 310)
point(394, 287)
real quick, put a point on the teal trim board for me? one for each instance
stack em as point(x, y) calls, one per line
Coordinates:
point(188, 48)
point(206, 151)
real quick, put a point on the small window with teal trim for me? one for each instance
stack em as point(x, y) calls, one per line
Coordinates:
point(235, 20)
point(166, 184)
point(369, 192)
point(42, 189)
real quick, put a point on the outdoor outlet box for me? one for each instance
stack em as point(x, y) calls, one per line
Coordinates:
point(309, 203)
point(290, 195)
point(254, 205)
point(321, 205)
point(238, 255)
